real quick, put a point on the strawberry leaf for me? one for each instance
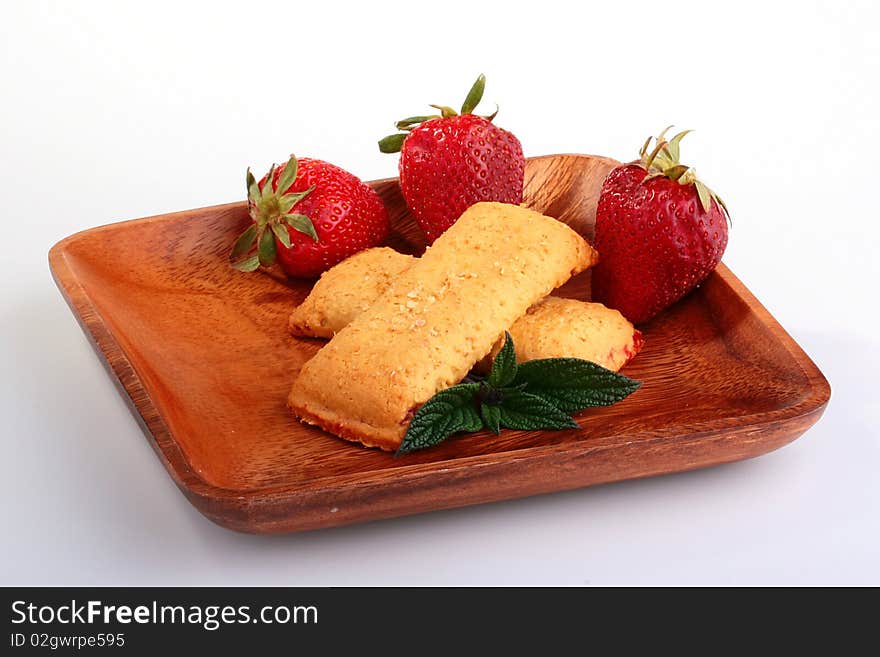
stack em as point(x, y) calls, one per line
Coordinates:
point(504, 366)
point(475, 95)
point(266, 248)
point(409, 122)
point(448, 412)
point(303, 224)
point(704, 194)
point(572, 384)
point(445, 111)
point(392, 143)
point(675, 172)
point(286, 202)
point(248, 264)
point(267, 189)
point(663, 160)
point(252, 186)
point(673, 145)
point(245, 242)
point(281, 233)
point(288, 175)
point(521, 410)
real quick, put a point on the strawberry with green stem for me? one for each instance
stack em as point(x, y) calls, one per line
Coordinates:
point(451, 160)
point(308, 215)
point(660, 231)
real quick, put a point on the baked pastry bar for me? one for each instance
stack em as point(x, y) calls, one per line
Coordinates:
point(345, 291)
point(552, 328)
point(435, 321)
point(556, 327)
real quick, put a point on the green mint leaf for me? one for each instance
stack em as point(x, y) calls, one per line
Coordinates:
point(521, 410)
point(504, 366)
point(448, 412)
point(572, 384)
point(534, 395)
point(491, 417)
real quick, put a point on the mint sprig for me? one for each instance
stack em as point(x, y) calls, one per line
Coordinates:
point(448, 412)
point(537, 394)
point(504, 366)
point(572, 384)
point(522, 410)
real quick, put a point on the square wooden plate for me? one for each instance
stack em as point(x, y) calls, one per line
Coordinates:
point(202, 355)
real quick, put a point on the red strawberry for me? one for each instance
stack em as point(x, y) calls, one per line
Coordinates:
point(659, 232)
point(312, 216)
point(451, 161)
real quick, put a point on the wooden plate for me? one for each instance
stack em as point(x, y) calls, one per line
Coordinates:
point(202, 355)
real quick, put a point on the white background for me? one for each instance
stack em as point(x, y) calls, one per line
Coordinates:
point(121, 109)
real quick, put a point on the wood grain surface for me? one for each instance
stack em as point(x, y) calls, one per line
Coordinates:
point(202, 354)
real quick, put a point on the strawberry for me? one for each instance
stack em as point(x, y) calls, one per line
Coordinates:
point(450, 161)
point(309, 215)
point(659, 232)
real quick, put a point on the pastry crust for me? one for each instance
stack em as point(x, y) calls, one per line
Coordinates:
point(552, 328)
point(435, 321)
point(345, 291)
point(568, 328)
